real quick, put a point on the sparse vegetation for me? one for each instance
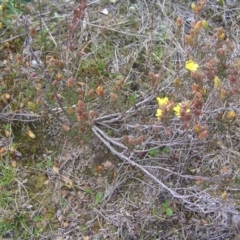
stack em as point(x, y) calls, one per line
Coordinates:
point(119, 119)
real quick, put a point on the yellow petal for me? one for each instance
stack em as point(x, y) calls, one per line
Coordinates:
point(162, 101)
point(191, 65)
point(159, 113)
point(177, 110)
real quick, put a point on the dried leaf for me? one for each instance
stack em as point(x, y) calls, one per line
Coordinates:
point(31, 134)
point(43, 211)
point(7, 133)
point(65, 224)
point(92, 114)
point(99, 168)
point(56, 170)
point(195, 88)
point(14, 164)
point(59, 76)
point(203, 135)
point(70, 82)
point(204, 221)
point(70, 111)
point(224, 170)
point(46, 182)
point(60, 218)
point(67, 180)
point(21, 105)
point(107, 164)
point(113, 96)
point(66, 127)
point(223, 94)
point(7, 96)
point(200, 180)
point(64, 192)
point(82, 84)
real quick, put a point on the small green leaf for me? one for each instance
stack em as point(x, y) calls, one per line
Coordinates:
point(165, 205)
point(166, 149)
point(169, 212)
point(32, 106)
point(83, 228)
point(162, 210)
point(89, 190)
point(37, 218)
point(132, 98)
point(153, 152)
point(99, 197)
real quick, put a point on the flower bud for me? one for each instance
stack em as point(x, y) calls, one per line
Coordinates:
point(99, 91)
point(176, 82)
point(231, 115)
point(188, 40)
point(32, 31)
point(113, 96)
point(197, 128)
point(205, 24)
point(179, 22)
point(223, 94)
point(194, 8)
point(217, 82)
point(198, 26)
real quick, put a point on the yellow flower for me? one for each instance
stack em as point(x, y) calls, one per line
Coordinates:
point(191, 65)
point(177, 109)
point(159, 113)
point(162, 101)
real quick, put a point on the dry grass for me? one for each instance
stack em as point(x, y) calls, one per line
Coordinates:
point(99, 80)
